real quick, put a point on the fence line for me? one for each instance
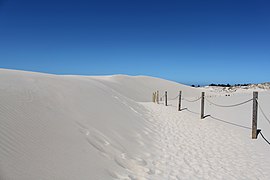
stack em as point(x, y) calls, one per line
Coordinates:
point(209, 97)
point(263, 112)
point(233, 105)
point(256, 106)
point(191, 100)
point(174, 98)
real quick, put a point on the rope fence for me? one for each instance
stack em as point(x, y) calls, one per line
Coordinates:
point(174, 98)
point(227, 106)
point(191, 100)
point(263, 112)
point(203, 98)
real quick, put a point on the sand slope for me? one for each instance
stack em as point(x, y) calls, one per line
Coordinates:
point(79, 127)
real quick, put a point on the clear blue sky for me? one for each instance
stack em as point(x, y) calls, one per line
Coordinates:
point(189, 41)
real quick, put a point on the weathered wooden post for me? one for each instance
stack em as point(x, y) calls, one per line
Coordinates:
point(202, 105)
point(179, 103)
point(254, 115)
point(166, 98)
point(157, 97)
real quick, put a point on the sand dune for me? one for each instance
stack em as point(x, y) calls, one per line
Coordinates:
point(89, 127)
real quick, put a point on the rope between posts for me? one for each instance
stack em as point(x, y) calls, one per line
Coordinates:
point(262, 112)
point(191, 100)
point(233, 105)
point(174, 98)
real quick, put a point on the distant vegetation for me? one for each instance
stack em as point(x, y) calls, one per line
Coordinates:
point(223, 85)
point(228, 85)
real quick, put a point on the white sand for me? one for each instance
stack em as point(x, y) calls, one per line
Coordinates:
point(78, 127)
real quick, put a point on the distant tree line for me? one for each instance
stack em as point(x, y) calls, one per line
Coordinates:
point(228, 85)
point(223, 85)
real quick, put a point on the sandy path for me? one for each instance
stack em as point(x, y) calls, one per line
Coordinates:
point(190, 148)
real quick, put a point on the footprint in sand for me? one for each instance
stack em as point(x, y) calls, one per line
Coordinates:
point(133, 164)
point(101, 142)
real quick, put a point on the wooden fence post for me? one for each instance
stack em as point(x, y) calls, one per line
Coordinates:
point(202, 105)
point(153, 98)
point(155, 94)
point(179, 103)
point(166, 98)
point(254, 115)
point(157, 97)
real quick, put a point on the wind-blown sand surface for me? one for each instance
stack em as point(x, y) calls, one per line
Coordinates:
point(80, 127)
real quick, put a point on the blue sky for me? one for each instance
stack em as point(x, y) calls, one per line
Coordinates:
point(189, 41)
